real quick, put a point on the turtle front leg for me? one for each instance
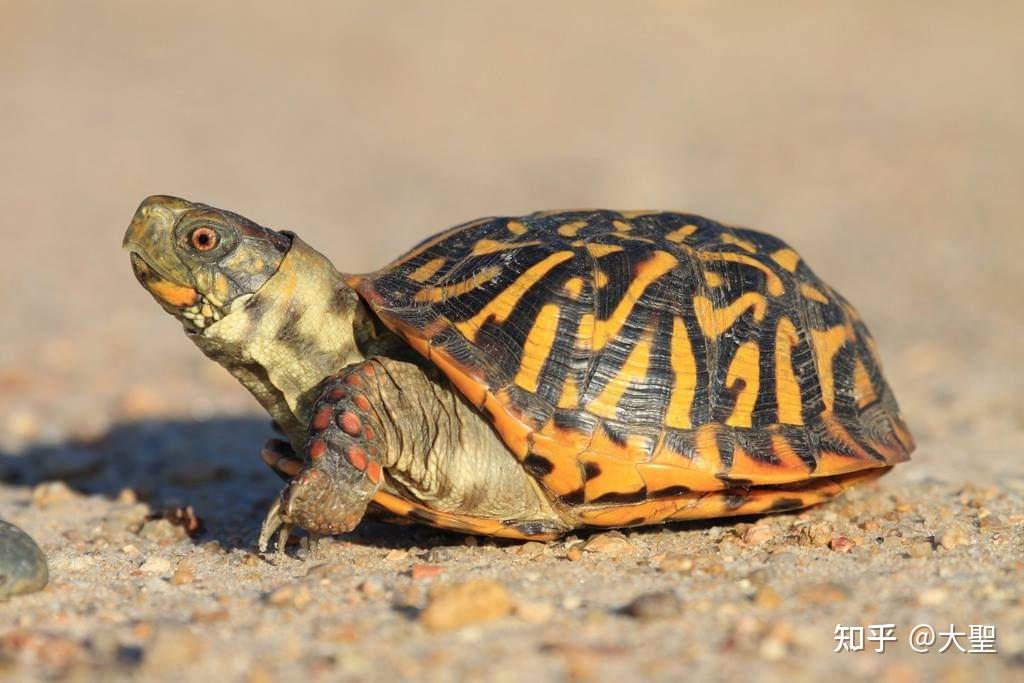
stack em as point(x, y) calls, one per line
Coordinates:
point(342, 469)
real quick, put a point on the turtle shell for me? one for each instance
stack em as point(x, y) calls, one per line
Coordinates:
point(628, 357)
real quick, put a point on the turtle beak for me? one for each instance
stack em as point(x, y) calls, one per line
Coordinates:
point(149, 241)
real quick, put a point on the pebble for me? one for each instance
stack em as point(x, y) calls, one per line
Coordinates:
point(452, 606)
point(758, 534)
point(22, 564)
point(952, 537)
point(163, 532)
point(419, 572)
point(156, 565)
point(532, 549)
point(920, 549)
point(841, 544)
point(932, 597)
point(182, 575)
point(534, 612)
point(290, 595)
point(656, 605)
point(612, 543)
point(52, 493)
point(574, 553)
point(676, 562)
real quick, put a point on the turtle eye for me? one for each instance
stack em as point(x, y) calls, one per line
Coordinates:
point(204, 239)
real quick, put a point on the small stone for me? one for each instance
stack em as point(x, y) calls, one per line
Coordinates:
point(183, 575)
point(841, 544)
point(156, 565)
point(291, 595)
point(920, 549)
point(767, 597)
point(656, 605)
point(162, 532)
point(990, 522)
point(612, 543)
point(418, 572)
point(818, 534)
point(396, 555)
point(952, 537)
point(574, 553)
point(534, 612)
point(932, 597)
point(758, 534)
point(127, 497)
point(452, 606)
point(22, 564)
point(676, 562)
point(52, 493)
point(130, 550)
point(532, 549)
point(371, 587)
point(171, 648)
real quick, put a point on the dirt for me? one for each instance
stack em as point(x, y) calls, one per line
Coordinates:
point(884, 142)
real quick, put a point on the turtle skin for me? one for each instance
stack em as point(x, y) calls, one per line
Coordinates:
point(648, 366)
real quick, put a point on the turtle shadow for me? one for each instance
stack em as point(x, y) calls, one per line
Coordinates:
point(211, 464)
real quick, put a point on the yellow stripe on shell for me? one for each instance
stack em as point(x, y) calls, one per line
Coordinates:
point(537, 347)
point(787, 388)
point(787, 258)
point(684, 367)
point(660, 263)
point(714, 321)
point(438, 294)
point(502, 305)
point(745, 367)
point(679, 235)
point(427, 270)
point(774, 283)
point(826, 344)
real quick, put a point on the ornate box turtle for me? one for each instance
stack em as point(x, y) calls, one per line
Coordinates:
point(521, 377)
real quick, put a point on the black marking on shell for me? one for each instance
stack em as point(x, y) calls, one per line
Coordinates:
point(538, 465)
point(622, 498)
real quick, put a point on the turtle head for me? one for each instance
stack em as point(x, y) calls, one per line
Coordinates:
point(200, 262)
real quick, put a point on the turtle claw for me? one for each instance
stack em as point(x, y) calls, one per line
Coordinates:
point(275, 523)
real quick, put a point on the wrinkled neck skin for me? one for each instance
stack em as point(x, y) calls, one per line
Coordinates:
point(303, 325)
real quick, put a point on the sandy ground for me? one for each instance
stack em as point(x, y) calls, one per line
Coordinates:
point(885, 143)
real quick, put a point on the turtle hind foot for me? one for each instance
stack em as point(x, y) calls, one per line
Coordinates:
point(275, 523)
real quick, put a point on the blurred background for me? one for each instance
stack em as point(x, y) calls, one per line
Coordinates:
point(884, 140)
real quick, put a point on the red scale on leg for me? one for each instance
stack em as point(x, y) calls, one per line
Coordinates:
point(361, 402)
point(322, 419)
point(354, 380)
point(337, 394)
point(316, 448)
point(350, 424)
point(373, 471)
point(357, 456)
point(368, 433)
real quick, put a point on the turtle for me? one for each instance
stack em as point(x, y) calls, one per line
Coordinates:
point(522, 377)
